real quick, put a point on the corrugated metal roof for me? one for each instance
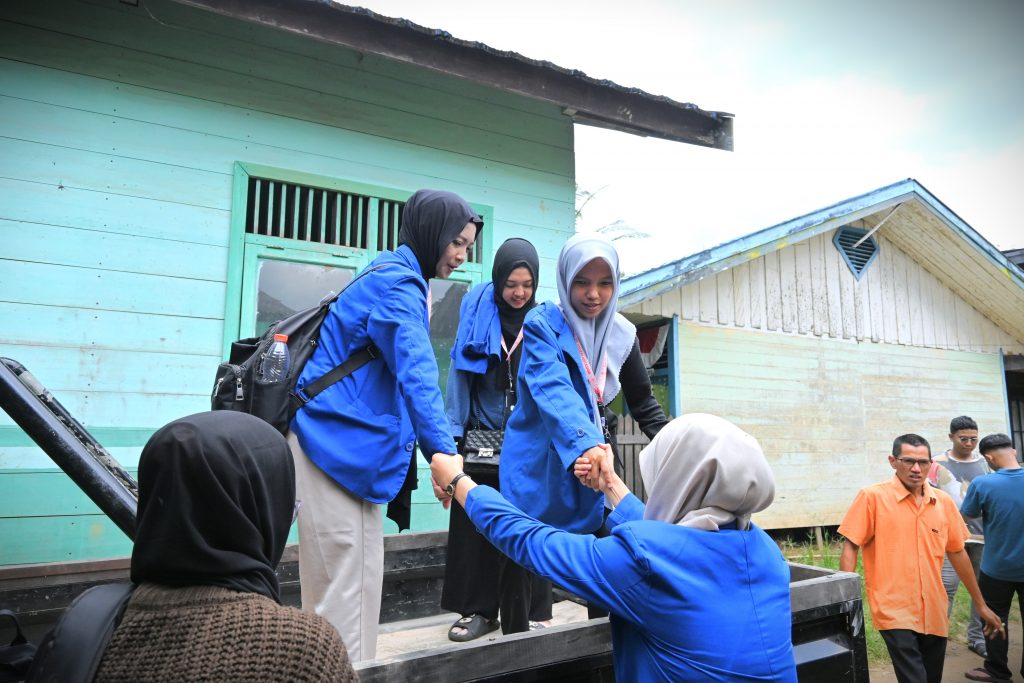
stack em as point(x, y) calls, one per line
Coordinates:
point(923, 227)
point(586, 100)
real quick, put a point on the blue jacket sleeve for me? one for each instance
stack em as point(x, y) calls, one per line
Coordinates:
point(397, 326)
point(605, 571)
point(566, 417)
point(629, 509)
point(457, 400)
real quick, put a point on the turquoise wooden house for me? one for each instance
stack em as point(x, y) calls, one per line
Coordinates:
point(177, 174)
point(829, 335)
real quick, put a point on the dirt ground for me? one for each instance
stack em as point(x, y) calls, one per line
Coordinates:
point(958, 660)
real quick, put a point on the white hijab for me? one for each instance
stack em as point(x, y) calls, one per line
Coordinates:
point(703, 471)
point(609, 334)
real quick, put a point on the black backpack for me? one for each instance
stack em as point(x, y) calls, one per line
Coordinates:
point(237, 385)
point(73, 649)
point(15, 657)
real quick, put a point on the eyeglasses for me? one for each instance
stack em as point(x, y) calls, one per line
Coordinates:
point(910, 462)
point(968, 439)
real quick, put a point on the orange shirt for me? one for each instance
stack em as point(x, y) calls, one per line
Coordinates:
point(903, 545)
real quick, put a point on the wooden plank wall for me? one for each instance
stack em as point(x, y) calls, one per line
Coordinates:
point(807, 289)
point(826, 411)
point(826, 370)
point(119, 128)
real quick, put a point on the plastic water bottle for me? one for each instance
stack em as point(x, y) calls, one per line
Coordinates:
point(277, 361)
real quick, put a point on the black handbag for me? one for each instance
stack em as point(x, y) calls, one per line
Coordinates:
point(481, 451)
point(481, 448)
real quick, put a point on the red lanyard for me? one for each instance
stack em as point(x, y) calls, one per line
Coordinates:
point(598, 387)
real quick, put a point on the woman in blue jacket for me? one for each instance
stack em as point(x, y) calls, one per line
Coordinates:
point(696, 592)
point(574, 352)
point(577, 356)
point(353, 443)
point(480, 395)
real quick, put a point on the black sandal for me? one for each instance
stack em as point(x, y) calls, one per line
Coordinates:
point(475, 626)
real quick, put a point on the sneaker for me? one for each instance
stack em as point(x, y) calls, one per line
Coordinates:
point(978, 648)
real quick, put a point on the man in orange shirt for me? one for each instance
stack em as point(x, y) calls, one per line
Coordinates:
point(905, 527)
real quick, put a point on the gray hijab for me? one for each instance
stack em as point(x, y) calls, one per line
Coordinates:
point(609, 334)
point(703, 471)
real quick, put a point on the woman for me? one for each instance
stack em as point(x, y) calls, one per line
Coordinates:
point(577, 355)
point(353, 443)
point(216, 500)
point(480, 395)
point(574, 354)
point(696, 592)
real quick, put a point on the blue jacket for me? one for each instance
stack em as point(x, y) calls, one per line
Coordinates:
point(550, 427)
point(477, 349)
point(362, 430)
point(686, 604)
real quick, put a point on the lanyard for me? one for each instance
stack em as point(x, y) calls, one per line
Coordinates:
point(508, 351)
point(597, 386)
point(510, 393)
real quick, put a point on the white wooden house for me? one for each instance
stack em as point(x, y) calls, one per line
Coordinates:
point(828, 335)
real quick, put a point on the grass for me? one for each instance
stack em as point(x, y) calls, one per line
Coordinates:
point(827, 556)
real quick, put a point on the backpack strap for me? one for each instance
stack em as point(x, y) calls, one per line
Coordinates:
point(73, 649)
point(15, 657)
point(351, 364)
point(340, 372)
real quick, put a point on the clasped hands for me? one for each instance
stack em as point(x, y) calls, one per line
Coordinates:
point(595, 469)
point(443, 468)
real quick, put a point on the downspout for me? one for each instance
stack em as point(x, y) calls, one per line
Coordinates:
point(675, 398)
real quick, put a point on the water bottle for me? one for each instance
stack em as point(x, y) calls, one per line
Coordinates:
point(277, 361)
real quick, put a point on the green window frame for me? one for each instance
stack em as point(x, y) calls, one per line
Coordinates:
point(277, 233)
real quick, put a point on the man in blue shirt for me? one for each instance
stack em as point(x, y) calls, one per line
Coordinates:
point(999, 499)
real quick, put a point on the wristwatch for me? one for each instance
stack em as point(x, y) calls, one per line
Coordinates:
point(450, 489)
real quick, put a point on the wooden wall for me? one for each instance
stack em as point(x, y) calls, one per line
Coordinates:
point(826, 411)
point(807, 289)
point(826, 370)
point(119, 130)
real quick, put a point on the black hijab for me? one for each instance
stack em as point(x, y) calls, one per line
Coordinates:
point(431, 220)
point(216, 498)
point(513, 253)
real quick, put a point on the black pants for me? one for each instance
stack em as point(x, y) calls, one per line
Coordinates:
point(916, 658)
point(472, 576)
point(998, 596)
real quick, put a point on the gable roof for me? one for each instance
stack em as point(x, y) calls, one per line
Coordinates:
point(908, 215)
point(586, 100)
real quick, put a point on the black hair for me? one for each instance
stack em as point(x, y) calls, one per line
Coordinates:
point(993, 442)
point(910, 440)
point(962, 422)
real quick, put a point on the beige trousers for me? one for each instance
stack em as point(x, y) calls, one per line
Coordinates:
point(341, 555)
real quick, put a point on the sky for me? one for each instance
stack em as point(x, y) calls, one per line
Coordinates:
point(831, 99)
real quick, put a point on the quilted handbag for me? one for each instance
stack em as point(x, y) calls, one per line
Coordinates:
point(481, 450)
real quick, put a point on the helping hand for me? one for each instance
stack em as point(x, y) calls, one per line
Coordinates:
point(443, 468)
point(588, 467)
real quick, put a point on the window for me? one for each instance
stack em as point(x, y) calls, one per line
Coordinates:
point(298, 238)
point(858, 254)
